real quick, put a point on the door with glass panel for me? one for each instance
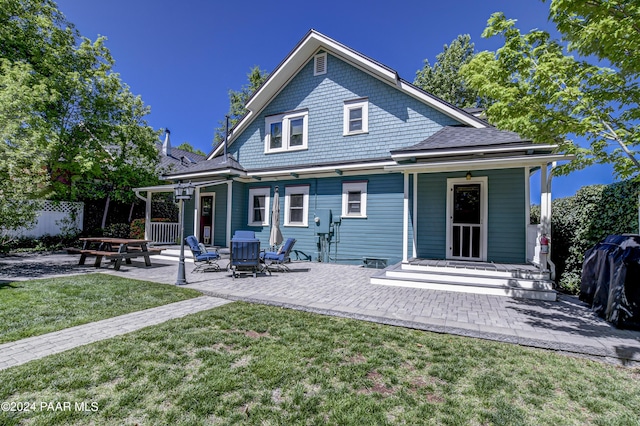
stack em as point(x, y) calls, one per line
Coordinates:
point(466, 213)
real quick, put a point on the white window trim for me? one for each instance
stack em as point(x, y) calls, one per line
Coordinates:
point(296, 190)
point(351, 105)
point(267, 203)
point(315, 63)
point(354, 187)
point(286, 119)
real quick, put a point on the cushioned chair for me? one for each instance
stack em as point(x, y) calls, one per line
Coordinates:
point(275, 260)
point(204, 260)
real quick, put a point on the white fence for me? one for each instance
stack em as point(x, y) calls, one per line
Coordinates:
point(164, 232)
point(55, 218)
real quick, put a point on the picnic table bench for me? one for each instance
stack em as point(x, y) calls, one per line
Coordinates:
point(105, 247)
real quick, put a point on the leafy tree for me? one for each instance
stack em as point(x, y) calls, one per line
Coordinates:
point(67, 119)
point(186, 146)
point(238, 99)
point(444, 80)
point(543, 93)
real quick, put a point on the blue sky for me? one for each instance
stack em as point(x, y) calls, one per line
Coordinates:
point(182, 58)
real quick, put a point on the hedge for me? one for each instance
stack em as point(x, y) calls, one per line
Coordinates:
point(582, 220)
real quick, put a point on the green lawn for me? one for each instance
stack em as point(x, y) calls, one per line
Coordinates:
point(251, 364)
point(31, 308)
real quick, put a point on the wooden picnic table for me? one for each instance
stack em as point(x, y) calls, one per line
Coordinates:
point(115, 249)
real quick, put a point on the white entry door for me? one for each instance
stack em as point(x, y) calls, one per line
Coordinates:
point(467, 219)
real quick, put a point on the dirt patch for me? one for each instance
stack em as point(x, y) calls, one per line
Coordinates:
point(255, 335)
point(378, 385)
point(357, 359)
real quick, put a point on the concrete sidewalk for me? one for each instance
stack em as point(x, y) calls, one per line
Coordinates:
point(25, 350)
point(341, 290)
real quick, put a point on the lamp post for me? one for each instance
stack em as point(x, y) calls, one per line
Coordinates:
point(183, 191)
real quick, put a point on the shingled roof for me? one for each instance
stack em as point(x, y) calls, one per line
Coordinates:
point(453, 138)
point(212, 165)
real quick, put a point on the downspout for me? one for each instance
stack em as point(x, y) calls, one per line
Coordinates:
point(147, 213)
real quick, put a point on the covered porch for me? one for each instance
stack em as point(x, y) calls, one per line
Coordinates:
point(201, 223)
point(467, 212)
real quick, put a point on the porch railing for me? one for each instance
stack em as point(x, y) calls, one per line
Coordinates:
point(164, 232)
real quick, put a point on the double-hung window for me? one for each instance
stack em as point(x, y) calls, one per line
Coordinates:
point(354, 199)
point(296, 205)
point(259, 206)
point(356, 117)
point(286, 132)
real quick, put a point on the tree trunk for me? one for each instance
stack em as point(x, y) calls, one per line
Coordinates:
point(106, 211)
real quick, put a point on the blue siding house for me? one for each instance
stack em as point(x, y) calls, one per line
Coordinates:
point(367, 166)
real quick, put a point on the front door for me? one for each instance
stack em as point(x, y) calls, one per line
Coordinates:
point(206, 218)
point(466, 217)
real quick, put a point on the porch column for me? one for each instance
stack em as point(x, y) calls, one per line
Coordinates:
point(415, 215)
point(545, 212)
point(545, 201)
point(147, 216)
point(405, 220)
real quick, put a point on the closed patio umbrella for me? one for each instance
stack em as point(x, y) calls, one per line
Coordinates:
point(275, 237)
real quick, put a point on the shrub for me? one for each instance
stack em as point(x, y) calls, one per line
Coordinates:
point(582, 220)
point(137, 229)
point(117, 230)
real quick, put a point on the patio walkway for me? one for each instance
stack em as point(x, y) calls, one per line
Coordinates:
point(566, 326)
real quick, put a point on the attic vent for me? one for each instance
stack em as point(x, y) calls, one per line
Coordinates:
point(320, 64)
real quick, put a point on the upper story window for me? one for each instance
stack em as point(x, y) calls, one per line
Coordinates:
point(296, 205)
point(356, 117)
point(286, 132)
point(259, 206)
point(354, 199)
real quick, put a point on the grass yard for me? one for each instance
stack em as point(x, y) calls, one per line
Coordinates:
point(251, 364)
point(31, 308)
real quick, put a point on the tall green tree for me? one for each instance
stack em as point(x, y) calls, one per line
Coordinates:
point(543, 92)
point(444, 80)
point(66, 117)
point(238, 99)
point(186, 146)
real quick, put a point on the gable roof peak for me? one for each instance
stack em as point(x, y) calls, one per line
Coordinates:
point(305, 49)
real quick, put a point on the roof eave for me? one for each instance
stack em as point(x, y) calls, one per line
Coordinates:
point(479, 163)
point(407, 155)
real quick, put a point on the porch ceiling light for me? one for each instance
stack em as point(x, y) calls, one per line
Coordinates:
point(468, 176)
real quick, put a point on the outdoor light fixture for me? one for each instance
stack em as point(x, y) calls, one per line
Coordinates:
point(183, 192)
point(468, 175)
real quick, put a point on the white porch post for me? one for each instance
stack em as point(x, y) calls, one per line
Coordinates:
point(545, 207)
point(147, 216)
point(415, 215)
point(405, 220)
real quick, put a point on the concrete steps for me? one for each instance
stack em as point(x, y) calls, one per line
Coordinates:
point(520, 283)
point(172, 253)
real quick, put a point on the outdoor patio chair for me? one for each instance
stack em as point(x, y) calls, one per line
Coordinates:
point(204, 260)
point(275, 260)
